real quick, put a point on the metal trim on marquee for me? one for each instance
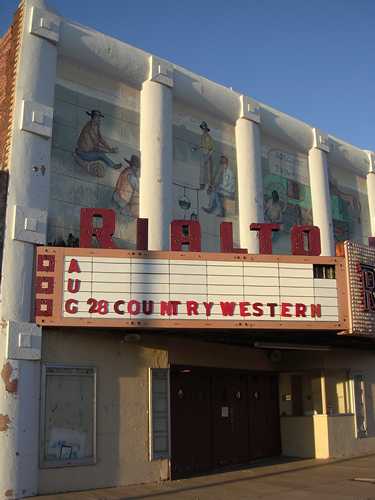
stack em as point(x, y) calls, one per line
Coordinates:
point(90, 287)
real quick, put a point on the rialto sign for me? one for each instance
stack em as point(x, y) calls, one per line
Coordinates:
point(109, 287)
point(186, 234)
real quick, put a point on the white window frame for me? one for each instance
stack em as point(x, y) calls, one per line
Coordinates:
point(154, 455)
point(359, 433)
point(46, 464)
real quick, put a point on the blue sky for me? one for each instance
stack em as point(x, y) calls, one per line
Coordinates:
point(311, 59)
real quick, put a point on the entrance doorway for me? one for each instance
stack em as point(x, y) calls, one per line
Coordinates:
point(221, 418)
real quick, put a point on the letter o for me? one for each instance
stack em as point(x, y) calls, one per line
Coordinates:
point(134, 307)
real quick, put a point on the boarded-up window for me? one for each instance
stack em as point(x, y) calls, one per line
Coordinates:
point(159, 413)
point(68, 415)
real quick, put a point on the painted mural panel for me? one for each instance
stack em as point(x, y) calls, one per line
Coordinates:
point(204, 173)
point(350, 210)
point(95, 154)
point(286, 185)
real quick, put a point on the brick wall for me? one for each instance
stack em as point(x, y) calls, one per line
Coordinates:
point(9, 50)
point(9, 45)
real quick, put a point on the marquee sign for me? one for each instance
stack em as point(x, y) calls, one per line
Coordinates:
point(122, 288)
point(361, 279)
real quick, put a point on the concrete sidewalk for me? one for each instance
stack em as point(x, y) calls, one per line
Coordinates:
point(294, 480)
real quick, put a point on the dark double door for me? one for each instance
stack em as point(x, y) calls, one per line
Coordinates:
point(222, 418)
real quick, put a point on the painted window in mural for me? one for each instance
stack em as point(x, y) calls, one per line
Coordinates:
point(205, 173)
point(95, 158)
point(286, 185)
point(350, 211)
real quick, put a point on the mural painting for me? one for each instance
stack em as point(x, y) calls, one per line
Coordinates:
point(95, 163)
point(221, 189)
point(349, 204)
point(205, 173)
point(92, 149)
point(286, 189)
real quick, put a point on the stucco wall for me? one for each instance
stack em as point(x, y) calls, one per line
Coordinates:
point(334, 435)
point(122, 409)
point(122, 401)
point(297, 437)
point(216, 355)
point(342, 440)
point(122, 398)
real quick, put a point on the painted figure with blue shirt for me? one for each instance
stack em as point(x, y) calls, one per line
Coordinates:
point(223, 189)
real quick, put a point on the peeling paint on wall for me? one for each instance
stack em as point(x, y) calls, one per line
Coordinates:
point(4, 423)
point(11, 383)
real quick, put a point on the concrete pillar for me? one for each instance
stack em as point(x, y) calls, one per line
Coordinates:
point(155, 189)
point(249, 171)
point(371, 190)
point(323, 392)
point(320, 195)
point(27, 206)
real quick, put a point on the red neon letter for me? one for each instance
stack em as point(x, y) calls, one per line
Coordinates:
point(116, 306)
point(185, 232)
point(192, 308)
point(147, 307)
point(272, 306)
point(142, 234)
point(74, 267)
point(208, 306)
point(243, 308)
point(227, 308)
point(316, 310)
point(169, 308)
point(226, 239)
point(265, 235)
point(301, 310)
point(285, 306)
point(103, 233)
point(298, 234)
point(258, 309)
point(134, 307)
point(74, 285)
point(71, 306)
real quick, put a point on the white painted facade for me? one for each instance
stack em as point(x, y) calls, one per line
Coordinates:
point(161, 85)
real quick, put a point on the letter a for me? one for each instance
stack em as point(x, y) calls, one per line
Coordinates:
point(74, 267)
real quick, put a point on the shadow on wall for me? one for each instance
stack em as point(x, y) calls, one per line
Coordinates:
point(370, 409)
point(121, 407)
point(297, 134)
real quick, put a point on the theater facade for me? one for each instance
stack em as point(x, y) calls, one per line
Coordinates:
point(188, 275)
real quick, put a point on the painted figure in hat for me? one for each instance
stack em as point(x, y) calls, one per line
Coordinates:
point(126, 194)
point(91, 145)
point(223, 188)
point(206, 148)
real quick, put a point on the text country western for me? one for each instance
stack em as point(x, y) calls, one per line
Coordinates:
point(193, 308)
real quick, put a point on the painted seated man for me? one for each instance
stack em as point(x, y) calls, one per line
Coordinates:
point(223, 189)
point(126, 194)
point(91, 145)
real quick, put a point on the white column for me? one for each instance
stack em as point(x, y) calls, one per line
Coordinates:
point(320, 195)
point(155, 190)
point(371, 190)
point(249, 171)
point(25, 225)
